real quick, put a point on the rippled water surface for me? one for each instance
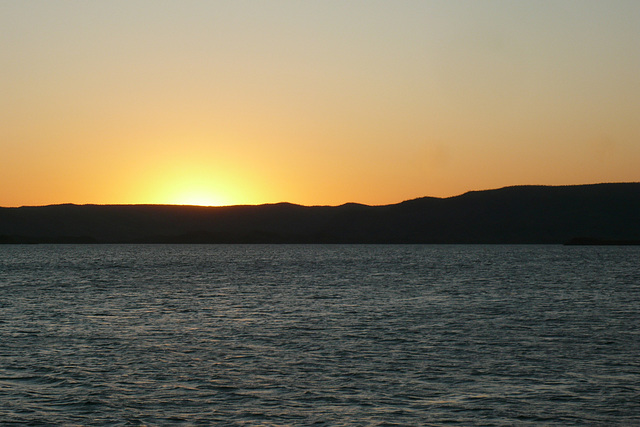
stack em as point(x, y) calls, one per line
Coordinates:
point(332, 335)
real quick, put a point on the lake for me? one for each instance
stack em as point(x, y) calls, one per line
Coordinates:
point(319, 334)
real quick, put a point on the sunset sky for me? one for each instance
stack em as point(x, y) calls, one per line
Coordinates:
point(313, 102)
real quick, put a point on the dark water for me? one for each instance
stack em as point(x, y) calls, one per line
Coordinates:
point(331, 335)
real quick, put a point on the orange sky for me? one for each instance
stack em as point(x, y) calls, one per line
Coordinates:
point(315, 102)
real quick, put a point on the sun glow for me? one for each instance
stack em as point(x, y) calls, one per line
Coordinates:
point(185, 185)
point(197, 197)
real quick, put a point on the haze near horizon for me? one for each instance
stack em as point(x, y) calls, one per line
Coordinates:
point(316, 102)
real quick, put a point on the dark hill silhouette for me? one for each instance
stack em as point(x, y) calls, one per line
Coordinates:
point(584, 214)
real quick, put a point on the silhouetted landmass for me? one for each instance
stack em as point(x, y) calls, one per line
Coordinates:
point(591, 241)
point(584, 214)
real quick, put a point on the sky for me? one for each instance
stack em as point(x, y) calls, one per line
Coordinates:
point(313, 102)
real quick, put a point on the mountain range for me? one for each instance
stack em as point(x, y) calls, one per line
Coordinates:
point(580, 214)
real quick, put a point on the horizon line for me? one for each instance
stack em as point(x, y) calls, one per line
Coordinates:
point(318, 205)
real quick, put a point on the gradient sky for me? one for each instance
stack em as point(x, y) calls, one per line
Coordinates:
point(313, 102)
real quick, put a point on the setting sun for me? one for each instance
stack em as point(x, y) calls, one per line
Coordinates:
point(193, 191)
point(199, 197)
point(183, 184)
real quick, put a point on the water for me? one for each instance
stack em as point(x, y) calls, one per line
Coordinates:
point(326, 335)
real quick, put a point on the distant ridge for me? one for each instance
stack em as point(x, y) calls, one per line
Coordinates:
point(580, 214)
